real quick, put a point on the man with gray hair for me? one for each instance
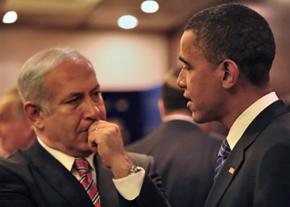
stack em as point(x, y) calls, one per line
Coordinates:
point(78, 158)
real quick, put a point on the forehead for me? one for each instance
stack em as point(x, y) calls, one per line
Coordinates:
point(189, 45)
point(189, 41)
point(72, 75)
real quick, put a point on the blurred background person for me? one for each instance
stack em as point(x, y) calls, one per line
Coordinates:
point(214, 129)
point(15, 130)
point(185, 155)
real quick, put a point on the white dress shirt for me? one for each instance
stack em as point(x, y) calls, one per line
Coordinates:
point(178, 117)
point(245, 119)
point(129, 187)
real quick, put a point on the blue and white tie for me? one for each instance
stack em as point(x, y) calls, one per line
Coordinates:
point(223, 154)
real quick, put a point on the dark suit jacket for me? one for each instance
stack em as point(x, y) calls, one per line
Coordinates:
point(257, 173)
point(185, 157)
point(34, 178)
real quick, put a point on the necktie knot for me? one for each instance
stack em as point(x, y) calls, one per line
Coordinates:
point(224, 151)
point(223, 154)
point(82, 166)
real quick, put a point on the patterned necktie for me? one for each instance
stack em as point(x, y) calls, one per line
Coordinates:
point(223, 154)
point(86, 179)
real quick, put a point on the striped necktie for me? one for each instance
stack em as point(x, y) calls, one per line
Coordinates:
point(84, 170)
point(223, 154)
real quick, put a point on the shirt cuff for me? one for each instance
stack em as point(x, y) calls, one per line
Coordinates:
point(129, 187)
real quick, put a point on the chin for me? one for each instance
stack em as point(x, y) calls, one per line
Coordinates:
point(86, 153)
point(198, 118)
point(81, 149)
point(83, 152)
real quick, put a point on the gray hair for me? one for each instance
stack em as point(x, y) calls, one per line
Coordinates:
point(31, 78)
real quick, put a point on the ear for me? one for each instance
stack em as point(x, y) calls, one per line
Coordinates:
point(230, 73)
point(34, 114)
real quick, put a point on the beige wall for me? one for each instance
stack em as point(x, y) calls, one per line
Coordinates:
point(123, 61)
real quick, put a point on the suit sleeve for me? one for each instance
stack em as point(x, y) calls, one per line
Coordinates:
point(273, 182)
point(152, 191)
point(12, 190)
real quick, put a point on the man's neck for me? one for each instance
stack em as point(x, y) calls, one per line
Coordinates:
point(240, 102)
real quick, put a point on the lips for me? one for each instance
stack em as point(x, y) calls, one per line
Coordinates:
point(189, 105)
point(84, 129)
point(186, 94)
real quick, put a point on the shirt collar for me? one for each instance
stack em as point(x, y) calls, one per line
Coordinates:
point(244, 120)
point(178, 117)
point(66, 160)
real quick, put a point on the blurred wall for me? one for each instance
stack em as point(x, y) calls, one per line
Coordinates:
point(123, 61)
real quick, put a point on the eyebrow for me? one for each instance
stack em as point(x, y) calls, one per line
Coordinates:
point(184, 61)
point(96, 88)
point(73, 94)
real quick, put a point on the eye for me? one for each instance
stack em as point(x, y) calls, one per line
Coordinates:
point(186, 67)
point(74, 100)
point(96, 96)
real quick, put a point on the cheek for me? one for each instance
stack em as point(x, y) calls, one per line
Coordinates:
point(102, 111)
point(62, 123)
point(196, 86)
point(4, 130)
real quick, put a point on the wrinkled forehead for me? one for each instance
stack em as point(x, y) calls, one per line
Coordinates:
point(72, 68)
point(71, 75)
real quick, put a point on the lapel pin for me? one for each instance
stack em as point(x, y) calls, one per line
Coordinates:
point(232, 170)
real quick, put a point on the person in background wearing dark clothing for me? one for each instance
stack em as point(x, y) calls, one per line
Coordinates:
point(78, 158)
point(227, 53)
point(185, 155)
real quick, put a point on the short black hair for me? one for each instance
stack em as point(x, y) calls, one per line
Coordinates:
point(171, 94)
point(239, 33)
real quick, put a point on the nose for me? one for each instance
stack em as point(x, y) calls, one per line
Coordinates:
point(91, 110)
point(181, 80)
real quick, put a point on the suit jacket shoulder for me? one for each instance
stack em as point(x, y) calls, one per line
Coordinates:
point(34, 178)
point(185, 157)
point(257, 171)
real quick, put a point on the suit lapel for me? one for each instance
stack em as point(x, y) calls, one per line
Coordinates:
point(235, 160)
point(59, 178)
point(108, 192)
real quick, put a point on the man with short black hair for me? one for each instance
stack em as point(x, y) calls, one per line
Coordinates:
point(227, 53)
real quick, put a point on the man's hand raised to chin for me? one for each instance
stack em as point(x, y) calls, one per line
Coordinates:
point(105, 138)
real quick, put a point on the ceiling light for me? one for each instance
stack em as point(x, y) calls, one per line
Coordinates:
point(149, 6)
point(127, 22)
point(9, 17)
